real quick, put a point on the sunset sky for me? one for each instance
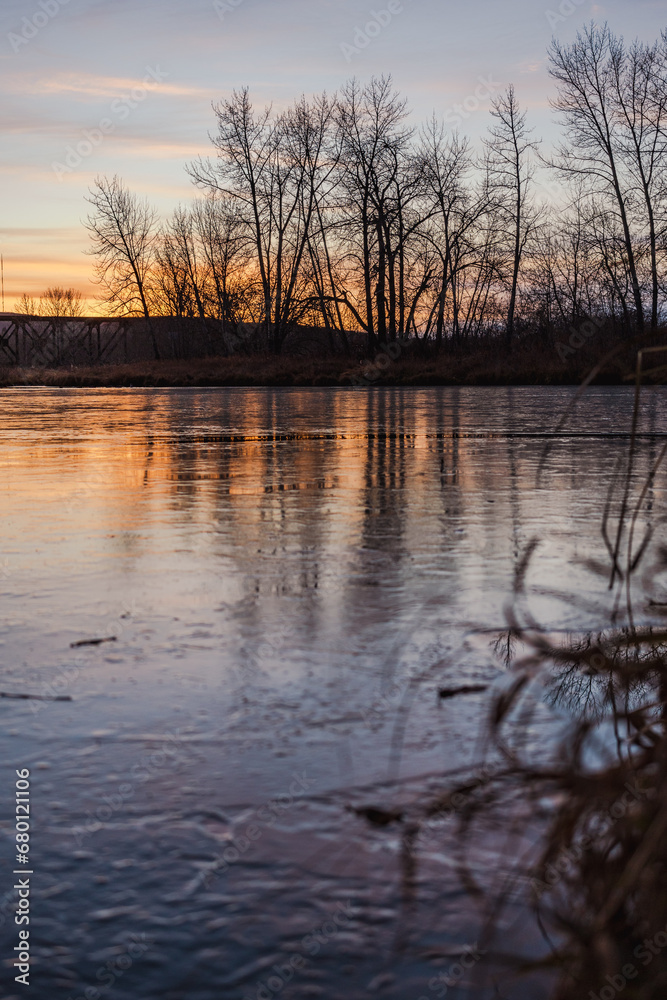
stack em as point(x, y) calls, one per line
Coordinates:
point(68, 65)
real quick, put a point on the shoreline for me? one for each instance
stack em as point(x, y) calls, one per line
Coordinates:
point(333, 371)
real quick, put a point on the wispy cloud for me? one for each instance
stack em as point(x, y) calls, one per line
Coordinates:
point(90, 86)
point(72, 233)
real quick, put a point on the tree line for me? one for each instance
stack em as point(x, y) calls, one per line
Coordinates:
point(338, 214)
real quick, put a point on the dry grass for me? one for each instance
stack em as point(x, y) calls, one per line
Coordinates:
point(599, 880)
point(480, 362)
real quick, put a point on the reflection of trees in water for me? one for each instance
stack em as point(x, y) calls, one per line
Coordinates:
point(504, 646)
point(596, 672)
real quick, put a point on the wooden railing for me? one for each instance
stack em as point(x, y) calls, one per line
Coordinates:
point(49, 341)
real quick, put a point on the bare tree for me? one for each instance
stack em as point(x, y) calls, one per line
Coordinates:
point(565, 272)
point(275, 169)
point(172, 290)
point(124, 233)
point(510, 177)
point(246, 148)
point(61, 302)
point(27, 305)
point(225, 248)
point(179, 248)
point(459, 229)
point(373, 143)
point(639, 76)
point(605, 106)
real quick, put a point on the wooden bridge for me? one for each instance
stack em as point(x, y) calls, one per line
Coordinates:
point(56, 341)
point(45, 341)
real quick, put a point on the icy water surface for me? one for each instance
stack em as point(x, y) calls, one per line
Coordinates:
point(288, 577)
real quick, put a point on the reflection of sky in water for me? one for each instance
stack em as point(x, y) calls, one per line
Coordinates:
point(289, 575)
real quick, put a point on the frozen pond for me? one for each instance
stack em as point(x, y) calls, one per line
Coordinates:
point(289, 576)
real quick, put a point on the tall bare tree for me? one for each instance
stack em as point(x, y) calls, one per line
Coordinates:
point(124, 235)
point(373, 142)
point(613, 106)
point(510, 178)
point(459, 229)
point(275, 168)
point(639, 75)
point(225, 248)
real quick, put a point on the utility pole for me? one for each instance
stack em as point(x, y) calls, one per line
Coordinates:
point(2, 275)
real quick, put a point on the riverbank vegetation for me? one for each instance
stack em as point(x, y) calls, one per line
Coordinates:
point(602, 356)
point(577, 774)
